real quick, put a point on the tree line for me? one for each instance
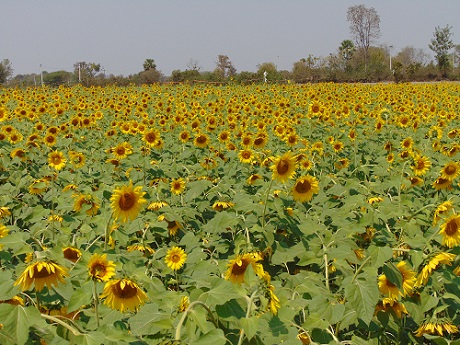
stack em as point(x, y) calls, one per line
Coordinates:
point(358, 59)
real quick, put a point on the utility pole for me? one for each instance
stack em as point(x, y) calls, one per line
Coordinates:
point(41, 75)
point(390, 57)
point(79, 73)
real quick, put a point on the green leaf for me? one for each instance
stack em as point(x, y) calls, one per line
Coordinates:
point(393, 274)
point(380, 255)
point(214, 337)
point(363, 295)
point(222, 291)
point(230, 310)
point(149, 320)
point(250, 326)
point(17, 320)
point(220, 222)
point(81, 296)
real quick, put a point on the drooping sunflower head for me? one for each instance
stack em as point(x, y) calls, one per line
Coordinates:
point(123, 295)
point(442, 183)
point(126, 202)
point(304, 188)
point(408, 277)
point(236, 268)
point(284, 167)
point(175, 258)
point(71, 253)
point(100, 268)
point(387, 288)
point(41, 273)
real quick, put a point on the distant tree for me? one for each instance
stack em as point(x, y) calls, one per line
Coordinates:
point(270, 68)
point(346, 49)
point(149, 64)
point(364, 27)
point(6, 71)
point(179, 76)
point(85, 72)
point(193, 65)
point(224, 67)
point(440, 45)
point(150, 76)
point(456, 58)
point(57, 78)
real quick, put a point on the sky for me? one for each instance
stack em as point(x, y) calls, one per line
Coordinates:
point(121, 34)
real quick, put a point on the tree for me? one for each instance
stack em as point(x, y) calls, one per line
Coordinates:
point(6, 71)
point(57, 78)
point(86, 71)
point(346, 49)
point(224, 67)
point(193, 65)
point(149, 64)
point(440, 45)
point(364, 27)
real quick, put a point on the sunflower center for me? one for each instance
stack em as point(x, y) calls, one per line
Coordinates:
point(420, 164)
point(201, 139)
point(451, 228)
point(127, 201)
point(302, 186)
point(450, 170)
point(240, 268)
point(41, 274)
point(150, 137)
point(98, 270)
point(175, 258)
point(282, 167)
point(126, 292)
point(246, 155)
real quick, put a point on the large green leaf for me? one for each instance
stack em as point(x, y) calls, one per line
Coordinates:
point(17, 320)
point(214, 337)
point(220, 222)
point(363, 295)
point(222, 291)
point(149, 320)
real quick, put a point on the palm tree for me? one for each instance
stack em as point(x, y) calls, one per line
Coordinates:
point(149, 64)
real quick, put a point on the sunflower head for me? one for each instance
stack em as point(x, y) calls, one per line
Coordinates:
point(175, 258)
point(284, 167)
point(450, 230)
point(41, 273)
point(99, 268)
point(304, 188)
point(126, 202)
point(123, 295)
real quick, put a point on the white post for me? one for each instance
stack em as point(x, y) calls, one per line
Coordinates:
point(79, 73)
point(41, 75)
point(390, 57)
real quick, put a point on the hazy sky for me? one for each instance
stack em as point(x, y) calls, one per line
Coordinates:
point(121, 34)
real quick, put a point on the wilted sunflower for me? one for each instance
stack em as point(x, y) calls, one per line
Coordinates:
point(126, 202)
point(123, 295)
point(442, 209)
point(436, 327)
point(41, 273)
point(253, 178)
point(391, 305)
point(433, 264)
point(99, 268)
point(82, 200)
point(421, 165)
point(177, 186)
point(304, 188)
point(4, 212)
point(442, 183)
point(450, 231)
point(56, 160)
point(222, 205)
point(156, 205)
point(236, 268)
point(408, 277)
point(284, 167)
point(71, 253)
point(175, 258)
point(143, 248)
point(173, 226)
point(386, 287)
point(4, 231)
point(450, 171)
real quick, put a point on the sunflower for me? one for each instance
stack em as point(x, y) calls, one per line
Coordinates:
point(4, 212)
point(415, 181)
point(201, 141)
point(421, 165)
point(99, 268)
point(341, 163)
point(173, 226)
point(236, 268)
point(304, 188)
point(77, 159)
point(246, 156)
point(451, 231)
point(442, 209)
point(407, 143)
point(126, 202)
point(145, 249)
point(86, 201)
point(284, 167)
point(184, 136)
point(222, 205)
point(123, 295)
point(175, 258)
point(434, 263)
point(41, 273)
point(386, 287)
point(71, 253)
point(408, 277)
point(56, 160)
point(156, 205)
point(391, 305)
point(19, 153)
point(122, 150)
point(337, 146)
point(442, 183)
point(436, 327)
point(224, 136)
point(151, 137)
point(450, 171)
point(38, 186)
point(50, 140)
point(177, 186)
point(253, 179)
point(4, 231)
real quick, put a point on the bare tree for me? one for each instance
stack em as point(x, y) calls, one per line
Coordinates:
point(225, 66)
point(193, 65)
point(364, 27)
point(6, 71)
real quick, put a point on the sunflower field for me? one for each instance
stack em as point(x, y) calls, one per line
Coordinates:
point(230, 214)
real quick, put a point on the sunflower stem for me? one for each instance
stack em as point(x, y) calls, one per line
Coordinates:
point(96, 302)
point(62, 323)
point(360, 268)
point(106, 237)
point(184, 316)
point(326, 272)
point(248, 312)
point(265, 203)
